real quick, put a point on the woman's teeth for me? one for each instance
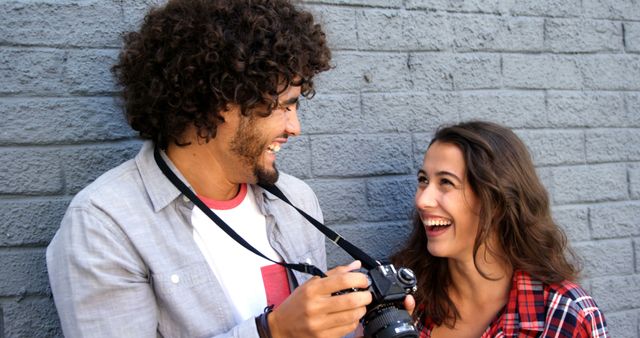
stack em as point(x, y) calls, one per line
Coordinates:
point(437, 222)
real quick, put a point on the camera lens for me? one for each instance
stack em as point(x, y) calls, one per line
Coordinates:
point(388, 322)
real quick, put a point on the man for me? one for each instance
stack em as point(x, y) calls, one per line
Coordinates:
point(213, 85)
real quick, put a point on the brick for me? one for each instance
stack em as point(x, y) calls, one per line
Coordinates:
point(378, 240)
point(339, 24)
point(574, 220)
point(413, 112)
point(577, 35)
point(553, 147)
point(295, 157)
point(442, 71)
point(420, 143)
point(87, 23)
point(616, 293)
point(588, 109)
point(89, 71)
point(30, 171)
point(364, 3)
point(30, 222)
point(546, 177)
point(634, 181)
point(24, 272)
point(541, 72)
point(607, 9)
point(608, 145)
point(623, 324)
point(403, 30)
point(134, 11)
point(589, 183)
point(342, 201)
point(390, 198)
point(365, 71)
point(488, 33)
point(552, 8)
point(636, 245)
point(361, 155)
point(606, 258)
point(30, 71)
point(467, 6)
point(32, 317)
point(632, 101)
point(82, 165)
point(510, 108)
point(611, 72)
point(632, 36)
point(331, 114)
point(69, 120)
point(616, 220)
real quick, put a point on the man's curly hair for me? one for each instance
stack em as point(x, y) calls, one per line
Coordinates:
point(191, 58)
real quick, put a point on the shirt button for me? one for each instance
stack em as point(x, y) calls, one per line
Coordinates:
point(175, 279)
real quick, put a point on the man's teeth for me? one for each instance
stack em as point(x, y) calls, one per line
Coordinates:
point(437, 222)
point(274, 148)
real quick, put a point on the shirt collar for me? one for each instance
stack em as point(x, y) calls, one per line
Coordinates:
point(160, 190)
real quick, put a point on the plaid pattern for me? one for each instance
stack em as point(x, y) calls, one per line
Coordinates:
point(535, 309)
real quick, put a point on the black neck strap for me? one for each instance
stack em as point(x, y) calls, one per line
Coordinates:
point(301, 267)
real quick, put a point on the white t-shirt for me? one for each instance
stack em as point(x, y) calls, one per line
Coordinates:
point(249, 281)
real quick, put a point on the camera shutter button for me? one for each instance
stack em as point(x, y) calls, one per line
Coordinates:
point(406, 276)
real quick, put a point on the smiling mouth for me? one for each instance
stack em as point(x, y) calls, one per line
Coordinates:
point(437, 222)
point(273, 148)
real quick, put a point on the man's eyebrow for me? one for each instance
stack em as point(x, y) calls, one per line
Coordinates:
point(290, 101)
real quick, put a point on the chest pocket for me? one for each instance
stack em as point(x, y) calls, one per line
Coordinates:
point(182, 279)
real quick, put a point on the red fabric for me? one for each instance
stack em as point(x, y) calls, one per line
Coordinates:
point(535, 309)
point(276, 284)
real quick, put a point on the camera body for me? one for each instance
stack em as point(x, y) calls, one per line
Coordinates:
point(386, 316)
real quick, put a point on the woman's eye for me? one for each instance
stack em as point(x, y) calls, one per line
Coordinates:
point(445, 181)
point(422, 179)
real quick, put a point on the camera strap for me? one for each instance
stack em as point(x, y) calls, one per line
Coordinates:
point(367, 262)
point(300, 267)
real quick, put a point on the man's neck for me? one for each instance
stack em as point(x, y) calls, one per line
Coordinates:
point(203, 170)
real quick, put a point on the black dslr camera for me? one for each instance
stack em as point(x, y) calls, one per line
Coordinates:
point(386, 316)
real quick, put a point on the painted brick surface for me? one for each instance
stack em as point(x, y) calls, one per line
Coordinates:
point(564, 74)
point(552, 8)
point(581, 36)
point(588, 109)
point(479, 33)
point(591, 183)
point(574, 220)
point(606, 258)
point(632, 36)
point(615, 220)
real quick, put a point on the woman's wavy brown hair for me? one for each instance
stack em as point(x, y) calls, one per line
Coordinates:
point(191, 58)
point(514, 210)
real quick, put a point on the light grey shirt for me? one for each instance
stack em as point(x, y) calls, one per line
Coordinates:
point(124, 262)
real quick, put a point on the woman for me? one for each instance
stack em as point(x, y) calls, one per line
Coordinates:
point(490, 260)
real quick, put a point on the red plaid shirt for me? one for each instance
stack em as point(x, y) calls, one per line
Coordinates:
point(535, 309)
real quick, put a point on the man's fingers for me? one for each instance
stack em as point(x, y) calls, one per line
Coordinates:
point(355, 265)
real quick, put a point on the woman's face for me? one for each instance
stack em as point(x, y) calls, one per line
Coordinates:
point(447, 206)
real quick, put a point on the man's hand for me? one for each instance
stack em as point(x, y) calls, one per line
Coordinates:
point(312, 311)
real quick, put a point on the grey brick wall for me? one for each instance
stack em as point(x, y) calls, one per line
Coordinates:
point(565, 74)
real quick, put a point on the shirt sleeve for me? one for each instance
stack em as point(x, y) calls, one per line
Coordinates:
point(592, 324)
point(101, 286)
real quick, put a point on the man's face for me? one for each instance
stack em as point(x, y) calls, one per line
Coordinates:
point(258, 139)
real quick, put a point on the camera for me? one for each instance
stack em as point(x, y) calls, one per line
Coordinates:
point(386, 316)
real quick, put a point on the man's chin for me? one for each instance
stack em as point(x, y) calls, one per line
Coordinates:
point(267, 176)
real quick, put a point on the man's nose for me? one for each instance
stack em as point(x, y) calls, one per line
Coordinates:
point(293, 124)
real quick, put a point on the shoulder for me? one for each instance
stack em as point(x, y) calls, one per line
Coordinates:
point(117, 184)
point(296, 190)
point(572, 309)
point(572, 295)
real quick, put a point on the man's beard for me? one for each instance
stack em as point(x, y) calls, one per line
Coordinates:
point(248, 144)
